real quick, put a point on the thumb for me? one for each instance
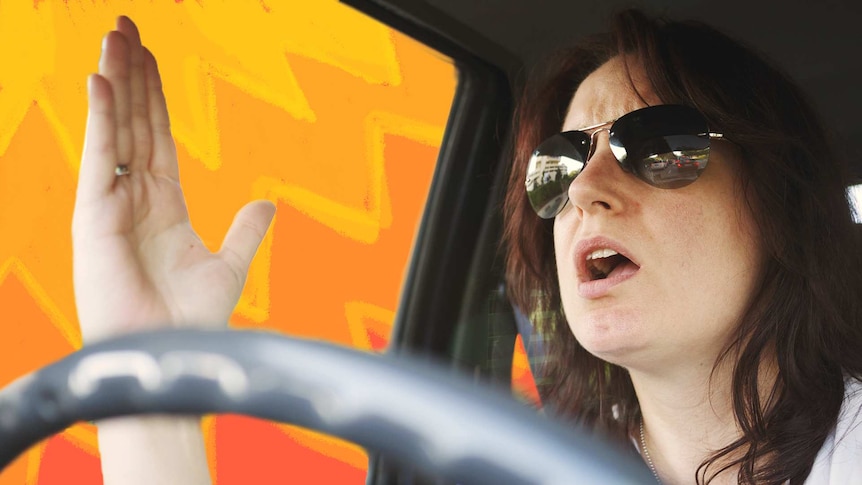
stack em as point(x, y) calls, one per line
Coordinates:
point(245, 234)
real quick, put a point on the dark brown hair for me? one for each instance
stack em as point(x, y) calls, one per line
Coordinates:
point(806, 310)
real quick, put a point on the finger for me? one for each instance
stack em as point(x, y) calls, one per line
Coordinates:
point(114, 65)
point(96, 176)
point(164, 153)
point(245, 235)
point(140, 123)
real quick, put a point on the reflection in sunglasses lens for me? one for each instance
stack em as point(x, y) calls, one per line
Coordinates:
point(678, 164)
point(553, 167)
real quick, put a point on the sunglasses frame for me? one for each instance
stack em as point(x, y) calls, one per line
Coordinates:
point(619, 150)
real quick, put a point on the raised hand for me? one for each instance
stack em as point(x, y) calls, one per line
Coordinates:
point(138, 264)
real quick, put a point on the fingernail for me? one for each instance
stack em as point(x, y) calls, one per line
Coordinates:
point(104, 42)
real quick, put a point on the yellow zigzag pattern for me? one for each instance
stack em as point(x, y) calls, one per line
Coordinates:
point(48, 47)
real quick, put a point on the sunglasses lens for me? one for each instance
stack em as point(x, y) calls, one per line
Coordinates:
point(666, 146)
point(553, 166)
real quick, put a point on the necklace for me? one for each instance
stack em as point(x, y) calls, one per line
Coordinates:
point(649, 462)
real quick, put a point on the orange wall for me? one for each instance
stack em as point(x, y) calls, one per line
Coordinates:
point(307, 103)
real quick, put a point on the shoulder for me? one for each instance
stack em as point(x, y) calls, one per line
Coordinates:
point(840, 458)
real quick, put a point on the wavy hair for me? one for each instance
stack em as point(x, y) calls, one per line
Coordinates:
point(805, 313)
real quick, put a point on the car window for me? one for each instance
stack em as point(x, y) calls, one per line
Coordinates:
point(523, 376)
point(855, 195)
point(330, 114)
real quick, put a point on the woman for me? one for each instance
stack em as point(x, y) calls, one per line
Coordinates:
point(718, 337)
point(706, 305)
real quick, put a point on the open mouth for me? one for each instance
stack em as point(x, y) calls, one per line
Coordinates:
point(605, 262)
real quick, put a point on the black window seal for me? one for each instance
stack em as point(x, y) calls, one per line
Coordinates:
point(461, 188)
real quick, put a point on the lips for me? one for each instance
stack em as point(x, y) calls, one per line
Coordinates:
point(602, 263)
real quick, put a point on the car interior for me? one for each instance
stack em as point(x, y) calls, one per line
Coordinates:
point(512, 37)
point(453, 312)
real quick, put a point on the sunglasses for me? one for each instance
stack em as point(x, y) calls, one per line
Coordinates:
point(666, 146)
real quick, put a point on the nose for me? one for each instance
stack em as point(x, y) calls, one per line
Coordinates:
point(600, 186)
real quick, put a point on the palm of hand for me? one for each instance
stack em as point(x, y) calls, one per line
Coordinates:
point(138, 264)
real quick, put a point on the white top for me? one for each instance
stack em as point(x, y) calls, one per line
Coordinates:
point(840, 459)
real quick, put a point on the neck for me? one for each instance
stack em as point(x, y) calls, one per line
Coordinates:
point(687, 415)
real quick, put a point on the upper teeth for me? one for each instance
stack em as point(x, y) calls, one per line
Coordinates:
point(601, 253)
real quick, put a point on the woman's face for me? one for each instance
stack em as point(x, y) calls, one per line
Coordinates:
point(692, 257)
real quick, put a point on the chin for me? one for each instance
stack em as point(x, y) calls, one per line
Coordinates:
point(620, 356)
point(612, 336)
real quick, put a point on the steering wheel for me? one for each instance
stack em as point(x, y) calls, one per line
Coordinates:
point(408, 410)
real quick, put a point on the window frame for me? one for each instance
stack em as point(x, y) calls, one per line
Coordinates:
point(455, 255)
point(467, 172)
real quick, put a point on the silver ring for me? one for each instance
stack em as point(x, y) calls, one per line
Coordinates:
point(120, 170)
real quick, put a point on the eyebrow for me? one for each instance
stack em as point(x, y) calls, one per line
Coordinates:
point(597, 125)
